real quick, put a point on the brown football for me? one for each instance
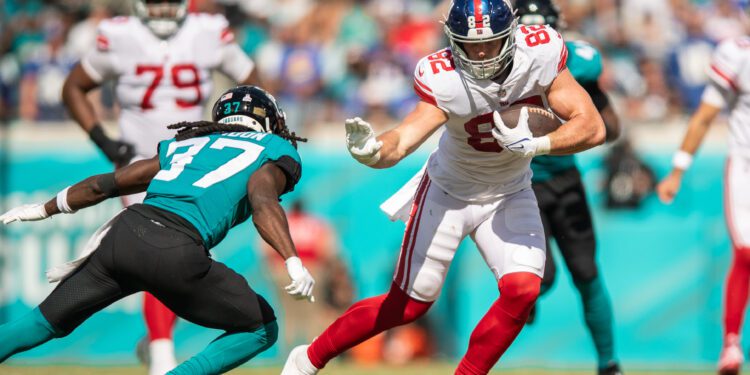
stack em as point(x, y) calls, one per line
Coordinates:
point(541, 121)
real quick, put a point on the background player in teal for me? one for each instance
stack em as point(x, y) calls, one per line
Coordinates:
point(562, 199)
point(211, 177)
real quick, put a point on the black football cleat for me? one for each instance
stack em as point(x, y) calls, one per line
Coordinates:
point(612, 369)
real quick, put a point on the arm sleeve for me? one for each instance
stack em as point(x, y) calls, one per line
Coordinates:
point(291, 168)
point(234, 62)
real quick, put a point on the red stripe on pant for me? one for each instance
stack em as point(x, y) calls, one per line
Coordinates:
point(414, 238)
point(409, 232)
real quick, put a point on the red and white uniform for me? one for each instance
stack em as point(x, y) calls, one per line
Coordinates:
point(161, 82)
point(730, 88)
point(471, 186)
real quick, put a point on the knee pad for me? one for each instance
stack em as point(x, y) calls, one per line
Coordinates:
point(426, 285)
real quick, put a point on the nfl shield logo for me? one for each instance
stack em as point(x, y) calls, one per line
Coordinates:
point(247, 98)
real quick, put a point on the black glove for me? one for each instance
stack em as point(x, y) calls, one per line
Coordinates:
point(117, 152)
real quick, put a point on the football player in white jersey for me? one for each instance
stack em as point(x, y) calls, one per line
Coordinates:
point(161, 60)
point(729, 87)
point(477, 183)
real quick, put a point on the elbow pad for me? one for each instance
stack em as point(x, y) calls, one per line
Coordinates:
point(107, 185)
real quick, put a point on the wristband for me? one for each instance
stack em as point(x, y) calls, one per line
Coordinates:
point(62, 202)
point(542, 145)
point(97, 135)
point(682, 160)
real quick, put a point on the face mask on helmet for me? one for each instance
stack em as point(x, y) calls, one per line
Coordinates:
point(252, 107)
point(538, 12)
point(485, 21)
point(162, 17)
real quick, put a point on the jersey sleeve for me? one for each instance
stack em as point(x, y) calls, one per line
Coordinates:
point(283, 155)
point(547, 50)
point(101, 62)
point(717, 96)
point(584, 61)
point(235, 64)
point(430, 77)
point(726, 63)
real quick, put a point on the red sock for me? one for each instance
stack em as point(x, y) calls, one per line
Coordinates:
point(159, 319)
point(363, 320)
point(502, 323)
point(737, 291)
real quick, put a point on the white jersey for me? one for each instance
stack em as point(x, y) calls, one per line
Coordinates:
point(161, 82)
point(730, 72)
point(469, 164)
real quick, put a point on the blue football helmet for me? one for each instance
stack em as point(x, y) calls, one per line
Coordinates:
point(479, 21)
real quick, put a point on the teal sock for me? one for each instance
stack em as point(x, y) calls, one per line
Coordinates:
point(229, 351)
point(25, 333)
point(597, 311)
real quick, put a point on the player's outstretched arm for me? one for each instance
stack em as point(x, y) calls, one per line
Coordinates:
point(698, 125)
point(264, 188)
point(584, 128)
point(128, 180)
point(76, 86)
point(390, 147)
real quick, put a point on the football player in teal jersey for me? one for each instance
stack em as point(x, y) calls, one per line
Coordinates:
point(562, 199)
point(211, 177)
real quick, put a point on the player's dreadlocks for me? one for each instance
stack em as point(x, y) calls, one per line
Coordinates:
point(186, 130)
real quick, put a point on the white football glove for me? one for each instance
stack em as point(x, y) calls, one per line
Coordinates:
point(27, 212)
point(302, 282)
point(519, 140)
point(361, 141)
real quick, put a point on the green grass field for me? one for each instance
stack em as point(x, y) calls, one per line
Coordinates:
point(417, 369)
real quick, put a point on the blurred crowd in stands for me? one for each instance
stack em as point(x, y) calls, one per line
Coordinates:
point(327, 59)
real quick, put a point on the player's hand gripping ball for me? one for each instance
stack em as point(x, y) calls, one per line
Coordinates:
point(521, 129)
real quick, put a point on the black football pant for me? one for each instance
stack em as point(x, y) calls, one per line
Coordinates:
point(149, 249)
point(567, 218)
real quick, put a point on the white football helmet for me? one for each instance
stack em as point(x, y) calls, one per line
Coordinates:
point(162, 17)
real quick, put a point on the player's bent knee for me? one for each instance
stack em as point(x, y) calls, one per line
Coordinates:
point(270, 334)
point(427, 285)
point(521, 287)
point(583, 269)
point(399, 302)
point(742, 254)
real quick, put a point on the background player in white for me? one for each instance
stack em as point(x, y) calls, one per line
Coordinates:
point(729, 87)
point(477, 183)
point(161, 60)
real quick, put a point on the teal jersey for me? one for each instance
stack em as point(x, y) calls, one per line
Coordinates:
point(585, 64)
point(204, 179)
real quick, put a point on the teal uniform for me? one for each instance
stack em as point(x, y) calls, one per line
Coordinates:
point(585, 64)
point(204, 179)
